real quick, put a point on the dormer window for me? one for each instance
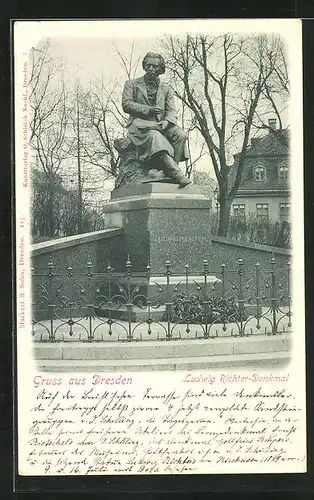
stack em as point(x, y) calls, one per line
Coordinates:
point(283, 173)
point(259, 173)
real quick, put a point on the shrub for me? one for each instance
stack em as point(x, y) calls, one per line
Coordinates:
point(191, 309)
point(62, 219)
point(253, 230)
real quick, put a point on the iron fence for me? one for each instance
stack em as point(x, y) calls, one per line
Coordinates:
point(131, 306)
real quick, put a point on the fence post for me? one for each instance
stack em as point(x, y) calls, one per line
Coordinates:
point(223, 279)
point(148, 301)
point(258, 298)
point(70, 321)
point(241, 296)
point(51, 305)
point(205, 301)
point(110, 320)
point(168, 299)
point(273, 295)
point(129, 303)
point(90, 305)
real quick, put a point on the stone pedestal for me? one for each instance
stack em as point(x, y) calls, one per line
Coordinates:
point(162, 222)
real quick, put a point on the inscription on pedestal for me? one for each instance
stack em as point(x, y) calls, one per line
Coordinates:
point(158, 228)
point(182, 239)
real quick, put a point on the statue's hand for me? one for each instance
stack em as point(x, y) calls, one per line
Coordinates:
point(164, 124)
point(155, 110)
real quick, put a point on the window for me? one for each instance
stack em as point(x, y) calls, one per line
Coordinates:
point(239, 210)
point(259, 173)
point(283, 173)
point(284, 211)
point(262, 211)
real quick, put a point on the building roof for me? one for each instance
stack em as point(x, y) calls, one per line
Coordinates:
point(274, 143)
point(271, 151)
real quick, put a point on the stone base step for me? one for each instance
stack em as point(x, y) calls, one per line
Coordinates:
point(152, 350)
point(247, 361)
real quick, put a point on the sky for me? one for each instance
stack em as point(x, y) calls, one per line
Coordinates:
point(88, 59)
point(92, 53)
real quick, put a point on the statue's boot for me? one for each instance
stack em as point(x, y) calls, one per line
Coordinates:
point(172, 170)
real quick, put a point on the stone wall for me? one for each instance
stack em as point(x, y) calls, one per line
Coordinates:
point(98, 247)
point(109, 245)
point(228, 252)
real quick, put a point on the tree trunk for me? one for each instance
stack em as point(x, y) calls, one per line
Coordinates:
point(51, 222)
point(79, 171)
point(224, 214)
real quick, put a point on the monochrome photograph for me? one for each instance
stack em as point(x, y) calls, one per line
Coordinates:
point(160, 211)
point(159, 215)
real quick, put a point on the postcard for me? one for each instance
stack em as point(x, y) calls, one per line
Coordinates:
point(159, 247)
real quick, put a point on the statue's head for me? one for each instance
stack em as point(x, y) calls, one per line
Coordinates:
point(153, 64)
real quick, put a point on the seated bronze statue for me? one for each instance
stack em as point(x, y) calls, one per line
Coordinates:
point(151, 126)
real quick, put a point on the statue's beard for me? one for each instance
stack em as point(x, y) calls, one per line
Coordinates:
point(151, 76)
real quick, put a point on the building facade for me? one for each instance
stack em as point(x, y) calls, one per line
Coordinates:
point(265, 189)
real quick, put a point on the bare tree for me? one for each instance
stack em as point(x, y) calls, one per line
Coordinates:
point(105, 122)
point(276, 93)
point(44, 98)
point(105, 117)
point(225, 81)
point(90, 140)
point(49, 121)
point(198, 152)
point(128, 62)
point(75, 141)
